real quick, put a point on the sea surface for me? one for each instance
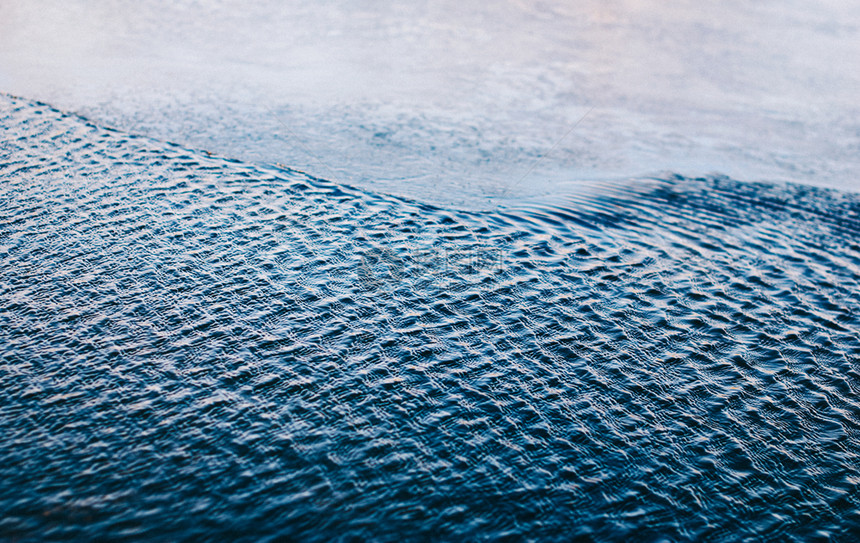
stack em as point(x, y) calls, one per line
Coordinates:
point(193, 347)
point(458, 102)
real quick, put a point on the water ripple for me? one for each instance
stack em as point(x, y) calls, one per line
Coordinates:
point(193, 347)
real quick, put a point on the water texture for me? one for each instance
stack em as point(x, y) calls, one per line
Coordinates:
point(451, 101)
point(195, 347)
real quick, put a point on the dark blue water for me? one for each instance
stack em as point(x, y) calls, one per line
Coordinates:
point(194, 348)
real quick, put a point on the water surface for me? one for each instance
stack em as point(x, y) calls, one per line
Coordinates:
point(455, 101)
point(193, 347)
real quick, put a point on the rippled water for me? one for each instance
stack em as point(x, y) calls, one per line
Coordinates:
point(194, 347)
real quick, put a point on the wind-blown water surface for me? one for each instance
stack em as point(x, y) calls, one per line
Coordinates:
point(194, 347)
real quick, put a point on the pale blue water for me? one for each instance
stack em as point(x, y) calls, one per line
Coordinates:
point(197, 348)
point(457, 102)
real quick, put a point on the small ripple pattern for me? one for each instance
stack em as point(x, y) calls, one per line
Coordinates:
point(194, 348)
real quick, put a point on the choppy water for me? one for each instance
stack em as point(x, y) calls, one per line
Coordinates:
point(193, 347)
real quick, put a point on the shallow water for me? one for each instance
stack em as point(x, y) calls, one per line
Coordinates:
point(196, 347)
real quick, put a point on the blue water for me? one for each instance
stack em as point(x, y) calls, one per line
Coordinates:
point(196, 348)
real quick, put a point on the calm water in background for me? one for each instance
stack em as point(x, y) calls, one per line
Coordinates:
point(453, 101)
point(194, 347)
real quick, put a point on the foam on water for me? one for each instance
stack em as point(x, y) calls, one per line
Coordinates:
point(195, 347)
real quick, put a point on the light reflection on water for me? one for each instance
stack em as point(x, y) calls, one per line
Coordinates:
point(452, 101)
